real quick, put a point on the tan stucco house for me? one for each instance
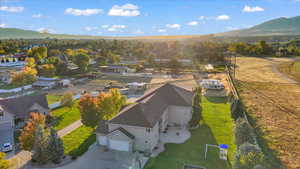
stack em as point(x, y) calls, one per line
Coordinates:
point(138, 126)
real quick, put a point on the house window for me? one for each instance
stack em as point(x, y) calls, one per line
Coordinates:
point(148, 130)
point(1, 114)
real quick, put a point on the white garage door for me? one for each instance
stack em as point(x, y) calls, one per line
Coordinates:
point(119, 145)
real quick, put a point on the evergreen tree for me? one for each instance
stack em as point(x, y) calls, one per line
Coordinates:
point(55, 147)
point(196, 108)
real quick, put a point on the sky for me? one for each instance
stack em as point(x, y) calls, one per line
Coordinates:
point(141, 17)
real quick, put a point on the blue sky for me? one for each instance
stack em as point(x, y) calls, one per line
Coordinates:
point(141, 17)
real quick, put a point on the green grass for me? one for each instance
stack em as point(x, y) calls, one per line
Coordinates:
point(65, 116)
point(217, 128)
point(9, 86)
point(78, 141)
point(53, 98)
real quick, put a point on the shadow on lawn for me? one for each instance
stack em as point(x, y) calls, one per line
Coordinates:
point(83, 147)
point(216, 99)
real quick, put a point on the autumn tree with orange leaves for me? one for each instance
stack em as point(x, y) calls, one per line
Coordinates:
point(27, 137)
point(103, 107)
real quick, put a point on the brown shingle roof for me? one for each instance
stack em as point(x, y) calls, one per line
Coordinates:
point(148, 109)
point(20, 106)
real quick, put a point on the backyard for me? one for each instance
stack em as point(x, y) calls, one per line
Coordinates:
point(53, 98)
point(217, 128)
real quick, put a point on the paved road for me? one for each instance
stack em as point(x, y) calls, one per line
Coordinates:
point(6, 133)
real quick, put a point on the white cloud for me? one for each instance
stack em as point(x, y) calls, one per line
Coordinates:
point(124, 10)
point(105, 26)
point(3, 25)
point(12, 8)
point(37, 15)
point(193, 23)
point(253, 9)
point(138, 32)
point(173, 26)
point(161, 30)
point(231, 28)
point(116, 28)
point(89, 28)
point(83, 12)
point(202, 17)
point(119, 26)
point(223, 17)
point(46, 30)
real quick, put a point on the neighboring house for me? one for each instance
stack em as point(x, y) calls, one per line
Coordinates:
point(139, 125)
point(17, 110)
point(116, 69)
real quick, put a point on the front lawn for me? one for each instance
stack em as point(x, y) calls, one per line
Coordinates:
point(217, 129)
point(65, 116)
point(78, 141)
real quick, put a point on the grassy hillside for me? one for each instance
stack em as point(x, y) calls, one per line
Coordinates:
point(280, 26)
point(13, 33)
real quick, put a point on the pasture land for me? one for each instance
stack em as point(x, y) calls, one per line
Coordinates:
point(272, 103)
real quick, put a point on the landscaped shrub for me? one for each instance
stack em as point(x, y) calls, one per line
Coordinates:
point(243, 132)
point(196, 108)
point(249, 156)
point(236, 109)
point(67, 100)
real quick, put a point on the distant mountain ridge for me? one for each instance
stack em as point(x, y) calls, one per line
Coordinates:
point(280, 26)
point(14, 33)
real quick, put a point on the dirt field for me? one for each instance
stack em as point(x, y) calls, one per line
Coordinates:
point(185, 81)
point(100, 83)
point(273, 102)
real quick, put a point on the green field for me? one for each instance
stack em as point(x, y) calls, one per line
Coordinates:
point(65, 116)
point(217, 128)
point(78, 141)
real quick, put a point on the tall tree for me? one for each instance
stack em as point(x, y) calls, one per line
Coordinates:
point(196, 108)
point(89, 110)
point(82, 60)
point(41, 153)
point(27, 137)
point(55, 147)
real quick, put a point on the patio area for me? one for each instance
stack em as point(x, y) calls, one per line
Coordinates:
point(175, 135)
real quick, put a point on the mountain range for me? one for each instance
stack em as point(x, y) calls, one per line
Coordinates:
point(281, 26)
point(276, 27)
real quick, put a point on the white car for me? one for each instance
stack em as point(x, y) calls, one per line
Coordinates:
point(6, 147)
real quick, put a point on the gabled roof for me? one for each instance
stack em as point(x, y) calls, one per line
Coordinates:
point(149, 108)
point(20, 106)
point(125, 132)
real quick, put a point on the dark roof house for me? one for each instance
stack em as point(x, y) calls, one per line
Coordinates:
point(20, 107)
point(149, 108)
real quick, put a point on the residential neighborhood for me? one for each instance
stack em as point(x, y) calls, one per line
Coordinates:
point(101, 84)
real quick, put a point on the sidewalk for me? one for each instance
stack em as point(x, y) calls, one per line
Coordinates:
point(23, 157)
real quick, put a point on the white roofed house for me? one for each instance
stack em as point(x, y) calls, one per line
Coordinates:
point(139, 126)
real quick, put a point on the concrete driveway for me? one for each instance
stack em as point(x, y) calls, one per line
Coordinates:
point(6, 133)
point(96, 158)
